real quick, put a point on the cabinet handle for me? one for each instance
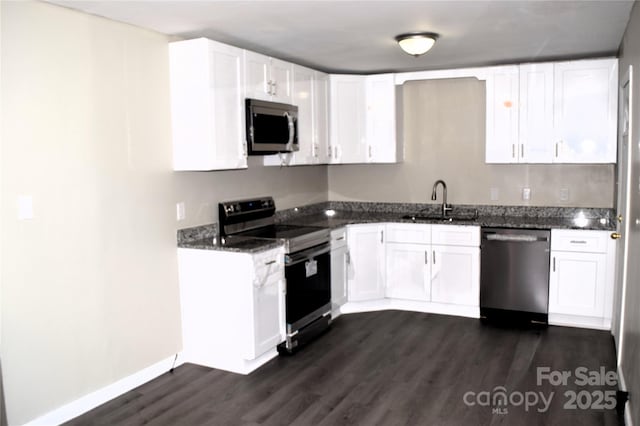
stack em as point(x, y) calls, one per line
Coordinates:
point(381, 236)
point(348, 258)
point(370, 151)
point(513, 150)
point(339, 238)
point(329, 151)
point(557, 149)
point(271, 262)
point(275, 88)
point(616, 236)
point(335, 152)
point(244, 149)
point(521, 150)
point(578, 242)
point(554, 264)
point(434, 257)
point(426, 258)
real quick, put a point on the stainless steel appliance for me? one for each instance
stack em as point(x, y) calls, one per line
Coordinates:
point(307, 264)
point(514, 274)
point(271, 127)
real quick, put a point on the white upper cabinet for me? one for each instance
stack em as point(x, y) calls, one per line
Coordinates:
point(346, 119)
point(560, 112)
point(266, 78)
point(362, 119)
point(303, 98)
point(321, 151)
point(310, 95)
point(380, 95)
point(502, 114)
point(207, 106)
point(585, 111)
point(536, 113)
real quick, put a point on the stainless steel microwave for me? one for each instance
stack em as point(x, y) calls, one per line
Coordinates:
point(271, 127)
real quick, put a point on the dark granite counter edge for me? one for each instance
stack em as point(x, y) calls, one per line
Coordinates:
point(350, 213)
point(347, 213)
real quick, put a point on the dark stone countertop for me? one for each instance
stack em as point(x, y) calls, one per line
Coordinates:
point(206, 237)
point(346, 213)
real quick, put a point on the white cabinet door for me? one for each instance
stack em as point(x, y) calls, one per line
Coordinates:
point(455, 275)
point(502, 115)
point(207, 106)
point(268, 313)
point(257, 77)
point(407, 274)
point(303, 84)
point(321, 148)
point(281, 76)
point(268, 78)
point(577, 283)
point(268, 307)
point(339, 262)
point(585, 111)
point(380, 91)
point(536, 113)
point(347, 108)
point(366, 266)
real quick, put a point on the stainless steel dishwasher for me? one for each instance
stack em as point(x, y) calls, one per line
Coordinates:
point(514, 274)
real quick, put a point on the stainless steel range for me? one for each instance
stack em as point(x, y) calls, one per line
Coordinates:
point(307, 264)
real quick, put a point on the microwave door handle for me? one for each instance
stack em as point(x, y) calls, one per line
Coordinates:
point(291, 129)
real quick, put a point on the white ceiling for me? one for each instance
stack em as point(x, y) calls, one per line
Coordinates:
point(358, 36)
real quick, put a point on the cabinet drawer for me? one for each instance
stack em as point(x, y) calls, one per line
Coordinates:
point(579, 241)
point(269, 262)
point(338, 238)
point(408, 233)
point(455, 235)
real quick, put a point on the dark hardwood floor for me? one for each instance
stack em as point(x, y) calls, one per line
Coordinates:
point(385, 368)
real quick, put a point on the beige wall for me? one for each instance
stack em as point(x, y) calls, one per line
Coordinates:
point(89, 285)
point(444, 125)
point(630, 55)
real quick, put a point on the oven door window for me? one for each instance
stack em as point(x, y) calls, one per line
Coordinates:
point(308, 286)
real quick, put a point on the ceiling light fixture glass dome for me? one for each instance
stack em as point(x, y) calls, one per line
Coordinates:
point(417, 44)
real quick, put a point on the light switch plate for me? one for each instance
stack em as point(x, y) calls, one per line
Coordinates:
point(25, 207)
point(180, 211)
point(526, 194)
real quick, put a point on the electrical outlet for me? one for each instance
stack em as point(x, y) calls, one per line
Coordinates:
point(495, 194)
point(526, 194)
point(564, 194)
point(180, 211)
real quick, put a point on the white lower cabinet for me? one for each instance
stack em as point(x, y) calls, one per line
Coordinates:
point(455, 275)
point(431, 268)
point(581, 278)
point(366, 262)
point(339, 265)
point(233, 312)
point(408, 272)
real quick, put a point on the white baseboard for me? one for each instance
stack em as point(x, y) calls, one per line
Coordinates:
point(107, 393)
point(410, 305)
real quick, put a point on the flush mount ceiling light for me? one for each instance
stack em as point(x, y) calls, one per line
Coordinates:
point(416, 44)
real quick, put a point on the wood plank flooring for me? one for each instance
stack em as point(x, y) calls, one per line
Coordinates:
point(383, 368)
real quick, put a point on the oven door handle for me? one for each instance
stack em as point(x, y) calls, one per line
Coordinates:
point(295, 258)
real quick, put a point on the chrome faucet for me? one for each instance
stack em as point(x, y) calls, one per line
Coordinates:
point(445, 207)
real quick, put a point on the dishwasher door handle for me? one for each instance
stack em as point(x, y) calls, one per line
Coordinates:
point(516, 238)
